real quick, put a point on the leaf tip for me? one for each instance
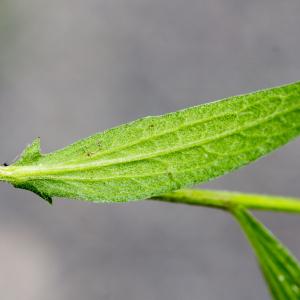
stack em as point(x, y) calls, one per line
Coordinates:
point(31, 186)
point(31, 153)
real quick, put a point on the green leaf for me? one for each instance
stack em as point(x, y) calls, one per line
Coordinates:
point(280, 269)
point(156, 155)
point(31, 154)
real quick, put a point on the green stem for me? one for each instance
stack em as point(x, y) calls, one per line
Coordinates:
point(4, 176)
point(229, 200)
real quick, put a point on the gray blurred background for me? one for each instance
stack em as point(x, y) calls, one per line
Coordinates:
point(72, 68)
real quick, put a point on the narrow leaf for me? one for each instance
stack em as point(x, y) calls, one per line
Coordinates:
point(156, 155)
point(280, 269)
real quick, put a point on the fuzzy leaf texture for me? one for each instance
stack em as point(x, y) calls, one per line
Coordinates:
point(280, 269)
point(155, 155)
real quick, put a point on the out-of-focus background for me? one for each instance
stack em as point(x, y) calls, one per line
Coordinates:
point(72, 68)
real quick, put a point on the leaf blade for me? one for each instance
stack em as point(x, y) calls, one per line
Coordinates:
point(156, 155)
point(279, 267)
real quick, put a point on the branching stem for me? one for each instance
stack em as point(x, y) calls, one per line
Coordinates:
point(230, 200)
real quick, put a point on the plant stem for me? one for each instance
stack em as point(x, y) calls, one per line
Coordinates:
point(229, 200)
point(4, 175)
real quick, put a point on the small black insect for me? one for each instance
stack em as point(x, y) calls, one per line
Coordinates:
point(5, 164)
point(89, 154)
